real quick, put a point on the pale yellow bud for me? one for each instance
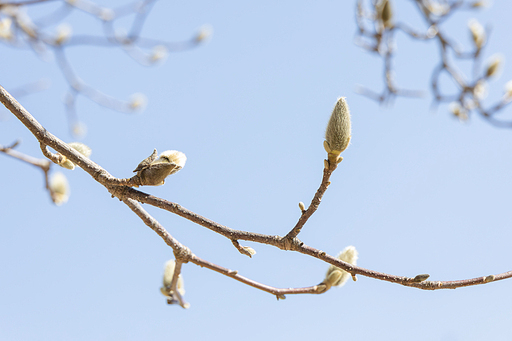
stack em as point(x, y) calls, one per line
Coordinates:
point(302, 206)
point(204, 33)
point(338, 132)
point(168, 275)
point(336, 276)
point(81, 148)
point(64, 32)
point(138, 101)
point(438, 9)
point(159, 52)
point(508, 89)
point(79, 129)
point(459, 111)
point(59, 188)
point(106, 14)
point(6, 29)
point(494, 66)
point(478, 4)
point(250, 251)
point(477, 33)
point(480, 90)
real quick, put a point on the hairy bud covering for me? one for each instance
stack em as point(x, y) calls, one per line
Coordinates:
point(338, 132)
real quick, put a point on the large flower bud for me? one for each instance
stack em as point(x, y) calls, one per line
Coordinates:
point(338, 132)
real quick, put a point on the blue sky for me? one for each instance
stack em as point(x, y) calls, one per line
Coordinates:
point(417, 192)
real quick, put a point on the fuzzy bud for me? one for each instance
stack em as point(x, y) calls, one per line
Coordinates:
point(302, 206)
point(205, 32)
point(153, 171)
point(59, 188)
point(338, 132)
point(79, 147)
point(168, 275)
point(249, 251)
point(336, 276)
point(508, 90)
point(64, 32)
point(477, 33)
point(138, 101)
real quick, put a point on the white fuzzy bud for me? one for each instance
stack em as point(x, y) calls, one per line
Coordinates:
point(59, 188)
point(168, 275)
point(477, 33)
point(338, 132)
point(336, 276)
point(64, 32)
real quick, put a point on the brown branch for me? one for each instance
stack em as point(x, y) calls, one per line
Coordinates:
point(131, 197)
point(314, 203)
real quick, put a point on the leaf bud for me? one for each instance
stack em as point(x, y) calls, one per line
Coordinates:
point(420, 278)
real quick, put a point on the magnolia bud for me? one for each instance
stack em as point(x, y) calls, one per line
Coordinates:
point(338, 132)
point(477, 33)
point(168, 275)
point(386, 14)
point(79, 147)
point(59, 188)
point(336, 276)
point(64, 32)
point(153, 171)
point(494, 66)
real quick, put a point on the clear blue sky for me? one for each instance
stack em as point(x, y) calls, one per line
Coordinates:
point(417, 192)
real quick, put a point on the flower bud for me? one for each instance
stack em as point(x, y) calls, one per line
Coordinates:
point(138, 101)
point(302, 206)
point(79, 147)
point(338, 132)
point(336, 276)
point(249, 250)
point(153, 171)
point(204, 33)
point(64, 32)
point(59, 188)
point(477, 33)
point(494, 66)
point(386, 13)
point(168, 275)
